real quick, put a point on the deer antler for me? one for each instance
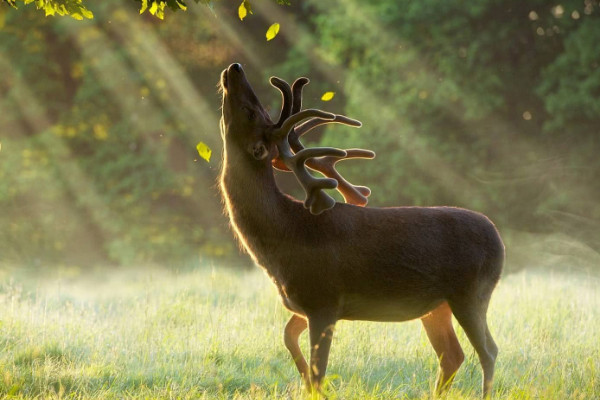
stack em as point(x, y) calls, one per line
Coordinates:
point(352, 194)
point(286, 101)
point(317, 200)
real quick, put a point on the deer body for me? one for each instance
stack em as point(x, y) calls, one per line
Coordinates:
point(355, 263)
point(381, 264)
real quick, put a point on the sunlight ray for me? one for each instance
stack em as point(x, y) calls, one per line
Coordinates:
point(186, 103)
point(68, 170)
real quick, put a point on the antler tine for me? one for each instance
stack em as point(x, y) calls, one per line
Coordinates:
point(297, 93)
point(352, 194)
point(289, 123)
point(305, 127)
point(286, 94)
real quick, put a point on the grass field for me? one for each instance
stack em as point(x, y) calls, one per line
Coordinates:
point(216, 333)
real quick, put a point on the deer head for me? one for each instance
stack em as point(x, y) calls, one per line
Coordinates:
point(246, 123)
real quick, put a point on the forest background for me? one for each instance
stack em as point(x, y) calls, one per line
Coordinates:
point(489, 105)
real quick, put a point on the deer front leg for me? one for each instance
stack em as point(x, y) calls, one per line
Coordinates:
point(295, 326)
point(320, 327)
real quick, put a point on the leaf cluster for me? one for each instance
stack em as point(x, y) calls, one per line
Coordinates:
point(157, 7)
point(73, 8)
point(77, 10)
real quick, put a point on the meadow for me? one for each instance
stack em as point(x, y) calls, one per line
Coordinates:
point(213, 332)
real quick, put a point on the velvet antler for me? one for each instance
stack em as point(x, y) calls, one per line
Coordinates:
point(324, 164)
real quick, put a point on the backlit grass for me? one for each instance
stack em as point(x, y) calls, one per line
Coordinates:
point(216, 333)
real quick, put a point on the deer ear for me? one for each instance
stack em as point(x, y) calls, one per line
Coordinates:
point(258, 150)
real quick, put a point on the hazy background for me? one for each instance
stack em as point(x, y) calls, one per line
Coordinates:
point(489, 105)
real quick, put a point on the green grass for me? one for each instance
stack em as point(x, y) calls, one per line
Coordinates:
point(216, 333)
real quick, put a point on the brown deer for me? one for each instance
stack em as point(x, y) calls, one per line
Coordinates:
point(333, 261)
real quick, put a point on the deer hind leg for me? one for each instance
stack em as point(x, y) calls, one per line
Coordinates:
point(438, 325)
point(471, 315)
point(295, 326)
point(490, 344)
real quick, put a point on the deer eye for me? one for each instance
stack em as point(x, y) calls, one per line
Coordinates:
point(249, 113)
point(260, 151)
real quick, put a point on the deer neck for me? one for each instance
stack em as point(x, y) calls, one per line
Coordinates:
point(253, 202)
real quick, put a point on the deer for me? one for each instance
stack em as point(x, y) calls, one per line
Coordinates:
point(333, 261)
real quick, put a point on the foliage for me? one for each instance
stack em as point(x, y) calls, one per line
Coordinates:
point(73, 8)
point(98, 163)
point(157, 7)
point(212, 333)
point(571, 84)
point(77, 10)
point(469, 104)
point(487, 105)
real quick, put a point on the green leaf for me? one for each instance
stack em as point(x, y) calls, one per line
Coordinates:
point(272, 31)
point(161, 10)
point(327, 96)
point(242, 11)
point(86, 13)
point(153, 8)
point(204, 151)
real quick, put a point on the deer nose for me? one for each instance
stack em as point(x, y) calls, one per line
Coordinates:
point(236, 67)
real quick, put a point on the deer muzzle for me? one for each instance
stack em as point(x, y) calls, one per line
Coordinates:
point(232, 76)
